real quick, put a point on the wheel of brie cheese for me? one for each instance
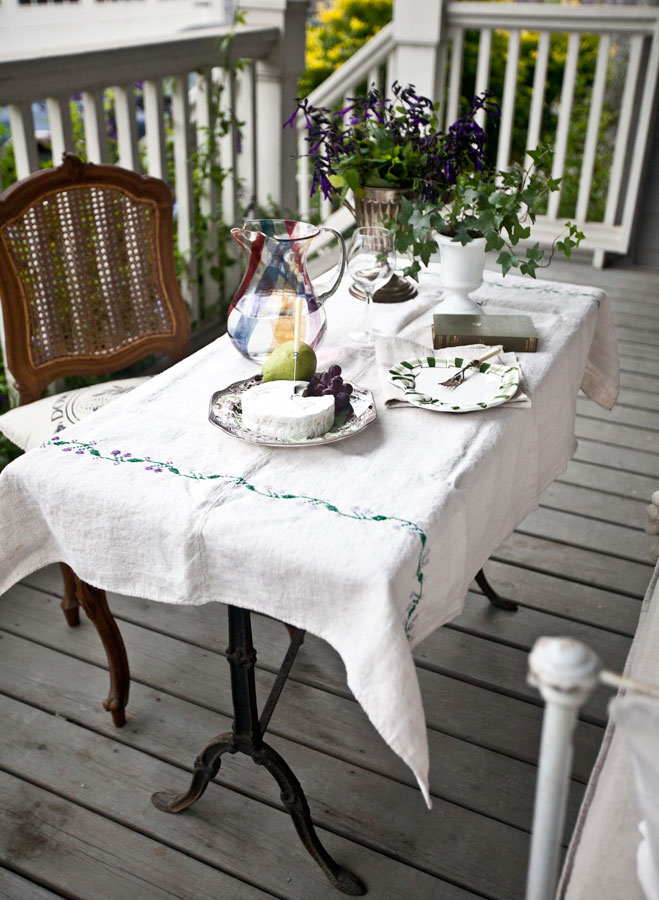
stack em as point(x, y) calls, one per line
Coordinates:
point(275, 410)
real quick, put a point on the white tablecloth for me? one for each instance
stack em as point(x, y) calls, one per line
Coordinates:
point(369, 543)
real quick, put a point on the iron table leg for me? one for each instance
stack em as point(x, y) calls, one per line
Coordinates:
point(491, 594)
point(246, 736)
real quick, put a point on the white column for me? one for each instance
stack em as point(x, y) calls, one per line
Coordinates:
point(417, 34)
point(565, 672)
point(276, 90)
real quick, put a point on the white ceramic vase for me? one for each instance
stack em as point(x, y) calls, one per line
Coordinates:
point(462, 273)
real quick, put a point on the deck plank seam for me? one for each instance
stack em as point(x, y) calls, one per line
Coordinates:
point(89, 807)
point(258, 798)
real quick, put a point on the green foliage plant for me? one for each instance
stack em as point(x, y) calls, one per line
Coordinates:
point(381, 142)
point(490, 204)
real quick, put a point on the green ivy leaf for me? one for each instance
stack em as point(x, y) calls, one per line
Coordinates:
point(505, 260)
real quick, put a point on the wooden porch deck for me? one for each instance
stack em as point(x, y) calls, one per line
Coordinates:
point(77, 821)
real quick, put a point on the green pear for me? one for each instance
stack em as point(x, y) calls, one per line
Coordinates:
point(280, 365)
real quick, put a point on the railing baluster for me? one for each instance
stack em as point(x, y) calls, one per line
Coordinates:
point(592, 133)
point(232, 209)
point(224, 144)
point(483, 69)
point(325, 208)
point(154, 124)
point(373, 77)
point(508, 101)
point(239, 95)
point(457, 42)
point(21, 125)
point(208, 201)
point(642, 130)
point(538, 95)
point(303, 179)
point(184, 192)
point(96, 135)
point(246, 112)
point(564, 115)
point(624, 127)
point(59, 120)
point(126, 117)
point(440, 79)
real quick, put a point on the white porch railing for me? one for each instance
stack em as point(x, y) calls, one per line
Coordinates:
point(190, 64)
point(424, 45)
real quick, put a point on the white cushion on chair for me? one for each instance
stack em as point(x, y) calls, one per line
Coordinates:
point(28, 426)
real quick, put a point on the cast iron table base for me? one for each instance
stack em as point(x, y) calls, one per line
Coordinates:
point(246, 736)
point(491, 594)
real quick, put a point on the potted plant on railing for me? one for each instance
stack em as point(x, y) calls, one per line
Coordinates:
point(431, 187)
point(384, 150)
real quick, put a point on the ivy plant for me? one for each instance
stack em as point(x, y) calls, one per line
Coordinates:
point(499, 206)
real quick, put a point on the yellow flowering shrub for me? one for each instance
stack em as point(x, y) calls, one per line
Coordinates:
point(339, 28)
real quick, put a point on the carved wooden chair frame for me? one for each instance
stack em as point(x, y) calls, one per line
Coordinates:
point(32, 375)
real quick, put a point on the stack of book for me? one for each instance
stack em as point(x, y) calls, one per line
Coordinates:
point(515, 333)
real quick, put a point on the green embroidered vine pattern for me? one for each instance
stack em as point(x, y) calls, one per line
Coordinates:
point(79, 448)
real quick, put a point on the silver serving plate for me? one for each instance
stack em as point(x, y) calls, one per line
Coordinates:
point(225, 412)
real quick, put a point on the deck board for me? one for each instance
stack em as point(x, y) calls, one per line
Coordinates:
point(77, 820)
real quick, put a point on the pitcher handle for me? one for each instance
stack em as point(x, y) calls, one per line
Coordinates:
point(342, 262)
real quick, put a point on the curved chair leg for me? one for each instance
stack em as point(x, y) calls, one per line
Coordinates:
point(95, 605)
point(69, 602)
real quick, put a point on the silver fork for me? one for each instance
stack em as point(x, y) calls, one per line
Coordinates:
point(460, 376)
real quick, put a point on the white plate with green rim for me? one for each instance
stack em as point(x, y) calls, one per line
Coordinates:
point(420, 381)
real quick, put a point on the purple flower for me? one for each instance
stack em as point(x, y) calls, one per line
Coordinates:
point(377, 140)
point(116, 452)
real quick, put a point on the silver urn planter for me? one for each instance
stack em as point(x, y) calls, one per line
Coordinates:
point(375, 207)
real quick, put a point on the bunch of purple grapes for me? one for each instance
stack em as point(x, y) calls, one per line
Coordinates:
point(330, 382)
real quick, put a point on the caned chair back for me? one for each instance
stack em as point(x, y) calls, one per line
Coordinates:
point(87, 277)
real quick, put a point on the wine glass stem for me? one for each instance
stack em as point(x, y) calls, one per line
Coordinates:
point(369, 311)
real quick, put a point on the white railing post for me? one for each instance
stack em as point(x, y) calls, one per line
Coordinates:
point(96, 137)
point(21, 126)
point(276, 89)
point(417, 34)
point(565, 672)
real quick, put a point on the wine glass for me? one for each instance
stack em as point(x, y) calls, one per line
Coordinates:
point(371, 262)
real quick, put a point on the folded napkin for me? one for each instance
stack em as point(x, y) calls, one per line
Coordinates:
point(390, 351)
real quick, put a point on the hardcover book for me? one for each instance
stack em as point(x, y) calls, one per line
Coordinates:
point(516, 333)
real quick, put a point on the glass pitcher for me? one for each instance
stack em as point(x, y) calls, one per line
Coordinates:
point(262, 314)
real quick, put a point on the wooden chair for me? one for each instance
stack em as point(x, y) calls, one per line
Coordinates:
point(88, 287)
